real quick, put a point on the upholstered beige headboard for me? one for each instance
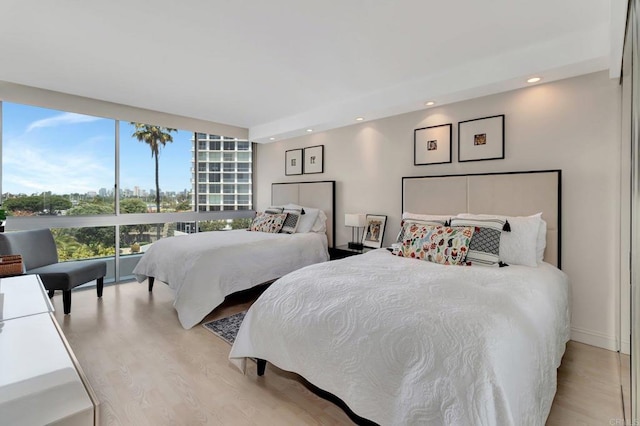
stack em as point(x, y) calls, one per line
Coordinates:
point(509, 194)
point(320, 195)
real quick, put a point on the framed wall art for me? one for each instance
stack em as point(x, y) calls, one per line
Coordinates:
point(432, 145)
point(293, 162)
point(481, 139)
point(314, 159)
point(374, 230)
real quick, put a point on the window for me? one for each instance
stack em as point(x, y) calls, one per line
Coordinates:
point(214, 199)
point(244, 199)
point(202, 145)
point(229, 177)
point(229, 146)
point(214, 156)
point(214, 146)
point(202, 199)
point(202, 167)
point(244, 156)
point(244, 177)
point(214, 189)
point(56, 162)
point(229, 167)
point(243, 189)
point(244, 146)
point(202, 188)
point(229, 199)
point(244, 167)
point(229, 189)
point(214, 177)
point(214, 167)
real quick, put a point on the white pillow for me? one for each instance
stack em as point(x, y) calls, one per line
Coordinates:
point(321, 223)
point(426, 217)
point(520, 246)
point(307, 220)
point(542, 241)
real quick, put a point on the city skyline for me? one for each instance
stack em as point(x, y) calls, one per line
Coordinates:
point(68, 153)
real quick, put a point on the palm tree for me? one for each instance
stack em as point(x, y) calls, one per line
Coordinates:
point(156, 137)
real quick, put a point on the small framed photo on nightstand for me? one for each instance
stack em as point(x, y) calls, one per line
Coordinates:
point(374, 231)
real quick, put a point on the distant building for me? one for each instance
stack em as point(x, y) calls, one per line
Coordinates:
point(222, 175)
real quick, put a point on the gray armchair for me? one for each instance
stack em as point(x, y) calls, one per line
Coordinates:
point(40, 256)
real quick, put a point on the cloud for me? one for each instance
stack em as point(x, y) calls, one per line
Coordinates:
point(62, 119)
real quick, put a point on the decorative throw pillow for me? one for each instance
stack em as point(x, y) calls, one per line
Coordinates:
point(485, 244)
point(271, 223)
point(519, 246)
point(291, 222)
point(438, 244)
point(407, 223)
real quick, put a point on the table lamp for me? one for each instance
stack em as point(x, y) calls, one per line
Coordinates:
point(355, 221)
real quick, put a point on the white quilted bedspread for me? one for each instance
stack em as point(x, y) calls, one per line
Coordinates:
point(204, 268)
point(407, 342)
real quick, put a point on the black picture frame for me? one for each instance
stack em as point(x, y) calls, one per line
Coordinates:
point(374, 230)
point(293, 164)
point(313, 160)
point(432, 145)
point(481, 139)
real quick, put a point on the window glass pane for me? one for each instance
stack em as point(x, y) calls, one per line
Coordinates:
point(202, 188)
point(202, 199)
point(155, 163)
point(243, 189)
point(215, 156)
point(229, 146)
point(54, 160)
point(244, 167)
point(214, 177)
point(244, 156)
point(229, 199)
point(244, 177)
point(202, 156)
point(214, 167)
point(229, 189)
point(214, 188)
point(244, 145)
point(202, 145)
point(229, 177)
point(202, 167)
point(215, 199)
point(229, 167)
point(229, 156)
point(244, 199)
point(214, 146)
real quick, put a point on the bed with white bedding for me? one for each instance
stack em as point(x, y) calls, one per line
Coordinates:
point(408, 342)
point(405, 341)
point(203, 268)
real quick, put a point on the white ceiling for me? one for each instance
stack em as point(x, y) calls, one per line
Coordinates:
point(279, 67)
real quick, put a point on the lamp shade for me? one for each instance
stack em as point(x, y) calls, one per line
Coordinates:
point(355, 219)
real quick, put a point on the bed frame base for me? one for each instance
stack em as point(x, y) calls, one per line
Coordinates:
point(151, 280)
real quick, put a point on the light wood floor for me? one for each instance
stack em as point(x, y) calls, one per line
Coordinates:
point(147, 370)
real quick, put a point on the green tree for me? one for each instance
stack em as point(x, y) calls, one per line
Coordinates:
point(156, 137)
point(241, 223)
point(132, 205)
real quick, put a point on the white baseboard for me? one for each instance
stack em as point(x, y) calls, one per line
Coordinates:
point(594, 338)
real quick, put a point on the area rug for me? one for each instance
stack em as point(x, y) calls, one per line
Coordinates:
point(226, 328)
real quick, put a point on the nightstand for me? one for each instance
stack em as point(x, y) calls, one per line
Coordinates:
point(341, 252)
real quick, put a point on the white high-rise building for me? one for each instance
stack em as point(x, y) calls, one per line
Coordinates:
point(223, 173)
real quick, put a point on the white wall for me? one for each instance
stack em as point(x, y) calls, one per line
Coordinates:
point(573, 125)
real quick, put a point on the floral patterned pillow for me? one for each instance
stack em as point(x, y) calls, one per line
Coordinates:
point(268, 222)
point(438, 244)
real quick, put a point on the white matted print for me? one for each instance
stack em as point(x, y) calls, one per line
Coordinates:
point(293, 162)
point(374, 231)
point(314, 159)
point(432, 145)
point(481, 139)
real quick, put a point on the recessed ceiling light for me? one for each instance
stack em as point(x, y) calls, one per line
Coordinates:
point(272, 139)
point(429, 103)
point(309, 130)
point(359, 118)
point(534, 80)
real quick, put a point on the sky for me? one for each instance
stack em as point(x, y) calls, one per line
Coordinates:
point(63, 152)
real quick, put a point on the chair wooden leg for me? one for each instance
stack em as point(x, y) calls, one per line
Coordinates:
point(99, 286)
point(66, 301)
point(50, 293)
point(151, 279)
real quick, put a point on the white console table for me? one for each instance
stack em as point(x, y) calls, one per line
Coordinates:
point(41, 381)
